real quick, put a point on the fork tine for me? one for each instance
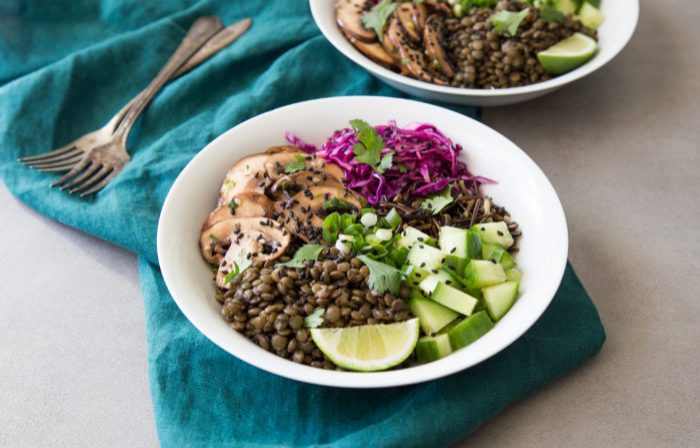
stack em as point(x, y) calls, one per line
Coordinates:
point(69, 161)
point(87, 174)
point(54, 158)
point(72, 173)
point(99, 186)
point(57, 168)
point(54, 153)
point(96, 178)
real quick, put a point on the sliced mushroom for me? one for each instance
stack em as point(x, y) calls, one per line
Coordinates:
point(375, 52)
point(297, 181)
point(412, 59)
point(246, 205)
point(420, 15)
point(348, 15)
point(432, 42)
point(282, 148)
point(405, 14)
point(233, 231)
point(439, 5)
point(254, 240)
point(302, 213)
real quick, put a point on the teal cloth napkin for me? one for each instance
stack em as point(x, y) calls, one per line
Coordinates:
point(68, 66)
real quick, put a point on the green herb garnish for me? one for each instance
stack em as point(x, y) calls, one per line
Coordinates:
point(466, 4)
point(213, 238)
point(232, 205)
point(551, 15)
point(369, 150)
point(393, 219)
point(242, 261)
point(376, 18)
point(337, 204)
point(437, 202)
point(296, 165)
point(507, 22)
point(331, 228)
point(382, 277)
point(314, 319)
point(305, 253)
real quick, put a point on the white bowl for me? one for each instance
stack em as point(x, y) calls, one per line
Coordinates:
point(522, 188)
point(620, 21)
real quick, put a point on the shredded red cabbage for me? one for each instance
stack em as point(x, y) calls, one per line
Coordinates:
point(425, 161)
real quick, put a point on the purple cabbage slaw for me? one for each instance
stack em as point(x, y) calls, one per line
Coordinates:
point(429, 157)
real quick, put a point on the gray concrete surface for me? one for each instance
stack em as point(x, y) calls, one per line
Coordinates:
point(622, 149)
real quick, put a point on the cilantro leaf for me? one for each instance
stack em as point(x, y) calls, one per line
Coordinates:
point(296, 165)
point(304, 253)
point(336, 203)
point(382, 277)
point(232, 205)
point(376, 18)
point(385, 162)
point(438, 201)
point(550, 14)
point(314, 319)
point(240, 263)
point(507, 22)
point(369, 150)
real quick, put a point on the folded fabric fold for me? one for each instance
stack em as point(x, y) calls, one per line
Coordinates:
point(80, 63)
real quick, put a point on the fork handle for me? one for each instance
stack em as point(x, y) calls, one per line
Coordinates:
point(199, 33)
point(219, 41)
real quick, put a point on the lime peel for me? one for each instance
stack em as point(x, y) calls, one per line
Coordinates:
point(568, 54)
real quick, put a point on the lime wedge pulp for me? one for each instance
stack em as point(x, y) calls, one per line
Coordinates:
point(368, 348)
point(567, 54)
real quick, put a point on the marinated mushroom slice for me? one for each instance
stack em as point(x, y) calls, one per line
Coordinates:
point(420, 15)
point(439, 6)
point(216, 241)
point(411, 59)
point(432, 42)
point(245, 205)
point(282, 148)
point(303, 212)
point(253, 240)
point(292, 183)
point(405, 14)
point(375, 52)
point(348, 15)
point(391, 49)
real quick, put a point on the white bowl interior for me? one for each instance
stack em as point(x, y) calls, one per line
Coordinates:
point(522, 188)
point(620, 22)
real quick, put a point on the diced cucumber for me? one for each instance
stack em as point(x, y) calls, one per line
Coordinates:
point(425, 257)
point(482, 273)
point(415, 276)
point(430, 282)
point(411, 235)
point(500, 298)
point(433, 316)
point(469, 330)
point(431, 348)
point(495, 232)
point(455, 265)
point(453, 241)
point(514, 275)
point(454, 299)
point(565, 6)
point(590, 16)
point(473, 245)
point(491, 251)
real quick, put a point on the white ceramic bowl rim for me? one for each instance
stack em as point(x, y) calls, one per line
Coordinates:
point(553, 83)
point(175, 266)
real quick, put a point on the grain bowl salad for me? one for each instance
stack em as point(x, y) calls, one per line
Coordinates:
point(376, 250)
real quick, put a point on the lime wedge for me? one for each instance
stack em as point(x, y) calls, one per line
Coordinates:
point(567, 54)
point(368, 348)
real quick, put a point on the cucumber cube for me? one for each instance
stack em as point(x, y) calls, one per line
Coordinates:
point(495, 232)
point(590, 16)
point(514, 275)
point(454, 299)
point(425, 257)
point(430, 282)
point(565, 6)
point(411, 235)
point(469, 330)
point(416, 276)
point(500, 298)
point(433, 316)
point(491, 251)
point(473, 245)
point(483, 273)
point(453, 241)
point(431, 348)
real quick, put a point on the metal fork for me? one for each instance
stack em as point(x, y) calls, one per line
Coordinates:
point(96, 158)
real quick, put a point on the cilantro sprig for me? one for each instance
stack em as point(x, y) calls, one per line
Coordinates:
point(376, 18)
point(370, 147)
point(296, 165)
point(437, 202)
point(303, 254)
point(382, 277)
point(507, 22)
point(314, 319)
